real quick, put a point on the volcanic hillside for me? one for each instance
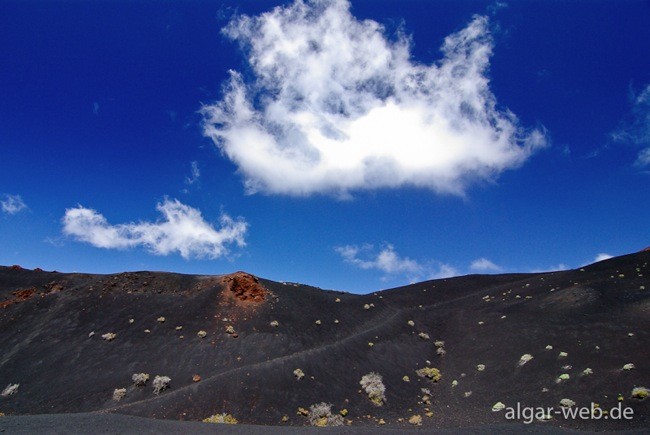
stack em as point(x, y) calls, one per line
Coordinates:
point(264, 352)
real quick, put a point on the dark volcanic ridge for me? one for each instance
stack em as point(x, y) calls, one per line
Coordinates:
point(439, 354)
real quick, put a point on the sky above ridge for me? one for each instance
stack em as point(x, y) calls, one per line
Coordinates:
point(354, 145)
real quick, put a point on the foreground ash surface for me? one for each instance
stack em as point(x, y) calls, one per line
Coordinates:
point(51, 327)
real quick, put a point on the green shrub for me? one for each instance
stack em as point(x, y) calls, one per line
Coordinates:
point(430, 373)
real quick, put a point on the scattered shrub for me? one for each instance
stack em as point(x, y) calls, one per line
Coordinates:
point(140, 379)
point(411, 323)
point(628, 366)
point(275, 323)
point(303, 411)
point(318, 322)
point(548, 347)
point(480, 367)
point(424, 336)
point(430, 373)
point(441, 351)
point(299, 374)
point(499, 406)
point(160, 383)
point(640, 392)
point(406, 379)
point(9, 390)
point(373, 385)
point(119, 394)
point(196, 378)
point(563, 355)
point(439, 343)
point(525, 358)
point(161, 319)
point(416, 420)
point(587, 371)
point(567, 403)
point(109, 336)
point(454, 383)
point(221, 418)
point(201, 334)
point(320, 415)
point(230, 329)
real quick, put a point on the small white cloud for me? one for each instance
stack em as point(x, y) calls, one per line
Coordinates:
point(182, 230)
point(336, 106)
point(12, 204)
point(196, 173)
point(602, 257)
point(391, 263)
point(484, 265)
point(386, 260)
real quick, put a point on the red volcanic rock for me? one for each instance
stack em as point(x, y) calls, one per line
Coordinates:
point(245, 287)
point(15, 267)
point(19, 296)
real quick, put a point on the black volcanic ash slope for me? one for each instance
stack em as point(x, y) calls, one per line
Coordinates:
point(596, 318)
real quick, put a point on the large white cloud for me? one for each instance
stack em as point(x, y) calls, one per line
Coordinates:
point(12, 204)
point(182, 230)
point(334, 105)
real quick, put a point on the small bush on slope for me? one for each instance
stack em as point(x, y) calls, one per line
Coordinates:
point(373, 385)
point(160, 383)
point(320, 415)
point(221, 418)
point(140, 379)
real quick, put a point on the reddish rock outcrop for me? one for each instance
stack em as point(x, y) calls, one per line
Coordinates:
point(19, 296)
point(245, 287)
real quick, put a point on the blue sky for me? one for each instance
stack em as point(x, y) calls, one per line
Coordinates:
point(349, 146)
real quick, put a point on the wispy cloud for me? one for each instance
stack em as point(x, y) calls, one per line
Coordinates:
point(635, 129)
point(12, 204)
point(194, 176)
point(484, 265)
point(643, 159)
point(181, 230)
point(389, 262)
point(336, 106)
